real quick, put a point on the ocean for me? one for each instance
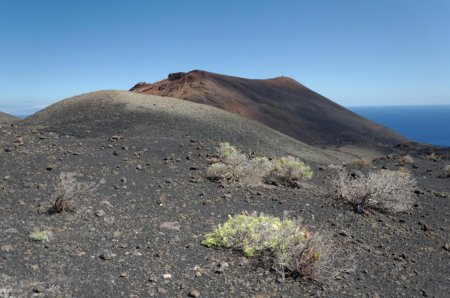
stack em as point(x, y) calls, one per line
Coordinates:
point(426, 124)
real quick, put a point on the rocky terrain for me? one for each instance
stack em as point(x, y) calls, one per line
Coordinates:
point(142, 204)
point(280, 103)
point(6, 118)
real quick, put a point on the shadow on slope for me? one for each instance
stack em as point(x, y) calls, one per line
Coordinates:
point(280, 103)
point(132, 115)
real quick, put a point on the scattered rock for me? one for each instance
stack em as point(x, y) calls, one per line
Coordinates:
point(38, 289)
point(7, 248)
point(18, 142)
point(42, 210)
point(170, 225)
point(106, 204)
point(107, 256)
point(50, 167)
point(11, 231)
point(167, 276)
point(221, 267)
point(115, 138)
point(109, 220)
point(100, 213)
point(194, 293)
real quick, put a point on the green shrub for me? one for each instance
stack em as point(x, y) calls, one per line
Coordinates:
point(292, 248)
point(289, 170)
point(237, 167)
point(40, 235)
point(226, 150)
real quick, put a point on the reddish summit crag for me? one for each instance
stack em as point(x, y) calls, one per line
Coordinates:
point(280, 103)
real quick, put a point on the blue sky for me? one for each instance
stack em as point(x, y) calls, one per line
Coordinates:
point(354, 52)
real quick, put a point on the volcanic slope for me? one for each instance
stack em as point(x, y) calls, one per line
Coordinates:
point(137, 230)
point(280, 103)
point(6, 118)
point(104, 113)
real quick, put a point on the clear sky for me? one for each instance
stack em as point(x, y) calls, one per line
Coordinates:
point(371, 52)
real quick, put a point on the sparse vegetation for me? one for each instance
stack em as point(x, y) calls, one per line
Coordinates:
point(226, 150)
point(406, 159)
point(235, 166)
point(292, 248)
point(447, 170)
point(433, 156)
point(40, 235)
point(384, 190)
point(67, 189)
point(362, 163)
point(289, 171)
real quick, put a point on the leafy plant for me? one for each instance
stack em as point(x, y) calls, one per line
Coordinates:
point(226, 150)
point(235, 166)
point(293, 249)
point(40, 235)
point(289, 170)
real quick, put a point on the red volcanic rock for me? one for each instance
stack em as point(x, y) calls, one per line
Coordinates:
point(280, 103)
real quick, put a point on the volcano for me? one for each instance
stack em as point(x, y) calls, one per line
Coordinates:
point(280, 103)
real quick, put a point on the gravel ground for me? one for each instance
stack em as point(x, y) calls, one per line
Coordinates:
point(7, 119)
point(137, 232)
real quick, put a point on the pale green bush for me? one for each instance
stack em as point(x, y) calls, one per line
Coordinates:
point(226, 150)
point(237, 167)
point(292, 248)
point(40, 235)
point(289, 171)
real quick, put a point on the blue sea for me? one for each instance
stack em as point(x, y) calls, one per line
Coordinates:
point(426, 124)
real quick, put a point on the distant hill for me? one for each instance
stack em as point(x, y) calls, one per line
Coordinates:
point(280, 103)
point(107, 113)
point(6, 118)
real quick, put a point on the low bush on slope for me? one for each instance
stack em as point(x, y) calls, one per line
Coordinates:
point(384, 190)
point(447, 170)
point(68, 189)
point(292, 248)
point(236, 167)
point(285, 245)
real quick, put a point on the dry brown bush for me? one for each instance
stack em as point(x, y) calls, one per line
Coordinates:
point(302, 260)
point(384, 190)
point(447, 170)
point(362, 163)
point(68, 188)
point(406, 159)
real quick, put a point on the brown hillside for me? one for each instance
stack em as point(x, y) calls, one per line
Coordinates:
point(280, 103)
